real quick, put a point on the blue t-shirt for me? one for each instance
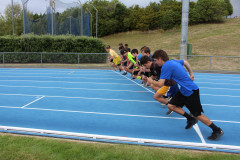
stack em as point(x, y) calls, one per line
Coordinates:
point(139, 56)
point(174, 69)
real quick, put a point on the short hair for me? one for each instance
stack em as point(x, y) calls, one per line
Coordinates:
point(122, 51)
point(160, 54)
point(146, 50)
point(121, 47)
point(142, 48)
point(128, 49)
point(126, 44)
point(120, 44)
point(134, 51)
point(145, 59)
point(108, 47)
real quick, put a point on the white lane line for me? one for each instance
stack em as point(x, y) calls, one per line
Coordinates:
point(65, 82)
point(62, 74)
point(217, 83)
point(32, 102)
point(124, 100)
point(111, 114)
point(195, 128)
point(231, 80)
point(221, 105)
point(72, 88)
point(214, 95)
point(136, 83)
point(63, 77)
point(221, 77)
point(231, 89)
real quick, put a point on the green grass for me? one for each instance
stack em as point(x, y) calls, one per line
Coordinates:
point(35, 148)
point(206, 39)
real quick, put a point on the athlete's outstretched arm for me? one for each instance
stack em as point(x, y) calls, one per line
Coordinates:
point(189, 69)
point(159, 83)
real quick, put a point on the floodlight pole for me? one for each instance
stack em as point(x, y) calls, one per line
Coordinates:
point(12, 18)
point(81, 31)
point(53, 10)
point(24, 26)
point(91, 19)
point(96, 18)
point(184, 29)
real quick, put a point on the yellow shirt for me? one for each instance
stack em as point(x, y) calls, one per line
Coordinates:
point(113, 53)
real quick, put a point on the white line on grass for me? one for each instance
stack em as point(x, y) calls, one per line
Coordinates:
point(32, 102)
point(72, 88)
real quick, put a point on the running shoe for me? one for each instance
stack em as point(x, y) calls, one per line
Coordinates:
point(216, 135)
point(191, 123)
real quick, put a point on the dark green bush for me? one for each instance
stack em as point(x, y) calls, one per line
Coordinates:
point(57, 44)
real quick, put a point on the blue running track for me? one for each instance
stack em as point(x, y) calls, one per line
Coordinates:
point(103, 105)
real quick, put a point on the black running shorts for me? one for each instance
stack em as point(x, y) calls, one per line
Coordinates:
point(192, 102)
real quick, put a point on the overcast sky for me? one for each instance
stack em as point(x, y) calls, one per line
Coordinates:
point(38, 6)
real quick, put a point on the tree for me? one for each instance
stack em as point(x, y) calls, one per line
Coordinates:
point(18, 19)
point(229, 7)
point(211, 10)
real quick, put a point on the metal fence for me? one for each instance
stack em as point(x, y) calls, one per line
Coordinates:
point(197, 62)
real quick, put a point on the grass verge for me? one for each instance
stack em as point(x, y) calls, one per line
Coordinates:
point(14, 147)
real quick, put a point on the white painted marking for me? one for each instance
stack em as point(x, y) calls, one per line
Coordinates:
point(123, 139)
point(32, 102)
point(72, 88)
point(125, 100)
point(231, 89)
point(220, 95)
point(217, 83)
point(111, 114)
point(196, 128)
point(64, 77)
point(65, 82)
point(137, 83)
point(221, 105)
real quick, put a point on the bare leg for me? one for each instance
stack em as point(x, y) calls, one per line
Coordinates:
point(204, 119)
point(159, 98)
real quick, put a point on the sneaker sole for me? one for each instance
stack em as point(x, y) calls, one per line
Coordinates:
point(222, 133)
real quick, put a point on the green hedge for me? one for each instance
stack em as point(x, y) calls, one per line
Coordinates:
point(56, 44)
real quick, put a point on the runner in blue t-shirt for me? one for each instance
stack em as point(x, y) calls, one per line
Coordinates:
point(188, 94)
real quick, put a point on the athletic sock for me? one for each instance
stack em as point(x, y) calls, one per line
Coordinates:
point(187, 116)
point(139, 77)
point(214, 127)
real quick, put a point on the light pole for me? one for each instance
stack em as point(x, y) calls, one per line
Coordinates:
point(184, 29)
point(12, 18)
point(96, 18)
point(81, 31)
point(24, 25)
point(91, 20)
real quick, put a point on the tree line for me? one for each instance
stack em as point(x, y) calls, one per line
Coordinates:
point(115, 17)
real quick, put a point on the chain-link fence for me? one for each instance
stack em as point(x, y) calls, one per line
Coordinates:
point(59, 18)
point(197, 62)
